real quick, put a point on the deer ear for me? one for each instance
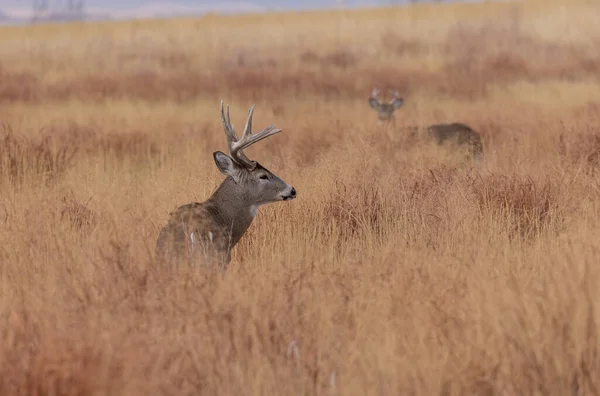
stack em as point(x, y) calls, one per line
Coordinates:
point(227, 166)
point(397, 102)
point(374, 103)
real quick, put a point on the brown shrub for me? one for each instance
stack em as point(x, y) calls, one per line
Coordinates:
point(579, 144)
point(78, 214)
point(404, 81)
point(146, 85)
point(505, 67)
point(45, 158)
point(399, 46)
point(309, 144)
point(309, 56)
point(248, 83)
point(502, 52)
point(18, 86)
point(249, 59)
point(355, 209)
point(339, 58)
point(92, 140)
point(342, 59)
point(589, 110)
point(528, 207)
point(135, 146)
point(165, 59)
point(462, 79)
point(61, 144)
point(428, 213)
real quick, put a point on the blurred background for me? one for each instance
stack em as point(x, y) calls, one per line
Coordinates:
point(24, 11)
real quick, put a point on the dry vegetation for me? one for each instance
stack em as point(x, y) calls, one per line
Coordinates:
point(397, 271)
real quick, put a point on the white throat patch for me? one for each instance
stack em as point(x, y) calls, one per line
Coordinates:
point(253, 209)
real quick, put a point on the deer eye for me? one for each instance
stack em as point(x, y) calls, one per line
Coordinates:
point(263, 177)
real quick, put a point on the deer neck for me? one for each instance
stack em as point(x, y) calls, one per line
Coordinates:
point(233, 208)
point(386, 122)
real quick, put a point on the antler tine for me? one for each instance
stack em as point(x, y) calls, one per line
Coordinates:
point(253, 138)
point(375, 93)
point(395, 93)
point(248, 127)
point(248, 139)
point(229, 129)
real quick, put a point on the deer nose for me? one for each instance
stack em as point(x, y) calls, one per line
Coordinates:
point(293, 192)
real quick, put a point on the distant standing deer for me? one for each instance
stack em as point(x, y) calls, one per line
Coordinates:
point(206, 232)
point(457, 132)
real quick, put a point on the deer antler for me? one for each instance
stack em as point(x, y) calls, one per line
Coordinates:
point(375, 93)
point(236, 146)
point(395, 93)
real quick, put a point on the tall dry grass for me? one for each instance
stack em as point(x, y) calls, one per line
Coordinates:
point(396, 271)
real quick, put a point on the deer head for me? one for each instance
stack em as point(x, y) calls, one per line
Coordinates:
point(257, 184)
point(385, 111)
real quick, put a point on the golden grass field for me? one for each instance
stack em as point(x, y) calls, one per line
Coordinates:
point(396, 271)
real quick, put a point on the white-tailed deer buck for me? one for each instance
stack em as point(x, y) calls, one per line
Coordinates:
point(206, 232)
point(457, 132)
point(385, 111)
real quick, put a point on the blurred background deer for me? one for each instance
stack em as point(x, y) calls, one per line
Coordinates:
point(457, 133)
